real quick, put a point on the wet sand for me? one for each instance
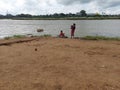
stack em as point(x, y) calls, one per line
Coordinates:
point(60, 64)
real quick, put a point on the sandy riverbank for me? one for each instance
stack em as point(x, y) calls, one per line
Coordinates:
point(60, 64)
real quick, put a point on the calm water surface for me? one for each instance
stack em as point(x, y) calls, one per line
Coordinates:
point(109, 28)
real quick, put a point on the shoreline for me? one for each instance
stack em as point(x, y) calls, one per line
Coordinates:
point(21, 39)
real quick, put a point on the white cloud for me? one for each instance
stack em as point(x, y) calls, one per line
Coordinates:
point(58, 6)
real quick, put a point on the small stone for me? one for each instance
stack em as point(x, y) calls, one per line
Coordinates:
point(35, 49)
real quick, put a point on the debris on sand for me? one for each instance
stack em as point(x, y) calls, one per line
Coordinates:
point(35, 49)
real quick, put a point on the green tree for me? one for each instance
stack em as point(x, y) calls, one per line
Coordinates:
point(62, 15)
point(55, 15)
point(83, 13)
point(24, 15)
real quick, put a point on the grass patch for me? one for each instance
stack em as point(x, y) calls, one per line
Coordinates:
point(15, 36)
point(7, 38)
point(22, 36)
point(100, 38)
point(19, 36)
point(46, 35)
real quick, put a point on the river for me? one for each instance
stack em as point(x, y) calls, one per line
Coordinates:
point(109, 28)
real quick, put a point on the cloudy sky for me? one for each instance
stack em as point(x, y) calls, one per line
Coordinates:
point(37, 7)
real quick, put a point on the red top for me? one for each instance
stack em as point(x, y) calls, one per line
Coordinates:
point(61, 34)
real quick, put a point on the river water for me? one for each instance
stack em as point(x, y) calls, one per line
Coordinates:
point(109, 28)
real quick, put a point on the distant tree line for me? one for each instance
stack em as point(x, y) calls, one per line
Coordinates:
point(82, 13)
